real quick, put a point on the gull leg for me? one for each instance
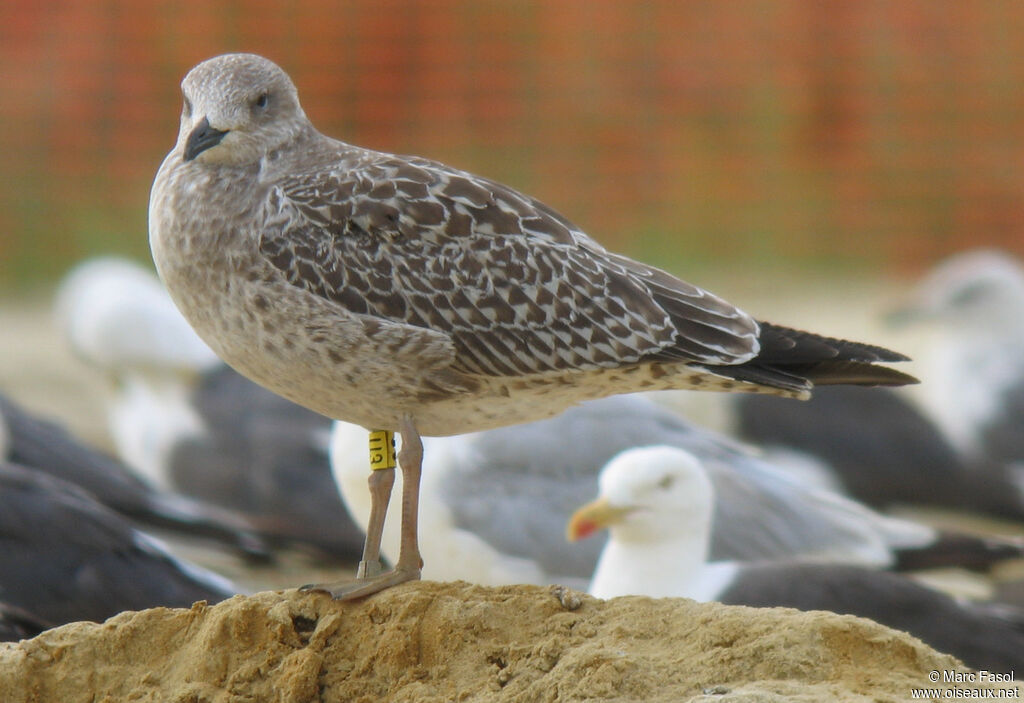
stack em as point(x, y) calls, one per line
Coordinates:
point(368, 577)
point(381, 481)
point(411, 460)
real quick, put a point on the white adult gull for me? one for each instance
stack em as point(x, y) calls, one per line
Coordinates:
point(657, 503)
point(494, 502)
point(117, 317)
point(971, 309)
point(398, 293)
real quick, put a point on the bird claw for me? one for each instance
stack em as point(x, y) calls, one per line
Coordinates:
point(360, 587)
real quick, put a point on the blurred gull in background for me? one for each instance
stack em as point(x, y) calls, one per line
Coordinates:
point(878, 447)
point(956, 440)
point(188, 423)
point(47, 448)
point(267, 458)
point(66, 557)
point(973, 305)
point(658, 505)
point(117, 317)
point(17, 624)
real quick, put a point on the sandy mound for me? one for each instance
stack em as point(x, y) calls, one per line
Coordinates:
point(456, 642)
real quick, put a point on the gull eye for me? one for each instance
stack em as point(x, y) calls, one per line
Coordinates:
point(261, 100)
point(969, 295)
point(666, 482)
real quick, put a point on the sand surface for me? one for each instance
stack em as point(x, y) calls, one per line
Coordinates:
point(428, 642)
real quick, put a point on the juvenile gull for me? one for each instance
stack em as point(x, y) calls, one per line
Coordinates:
point(402, 294)
point(657, 503)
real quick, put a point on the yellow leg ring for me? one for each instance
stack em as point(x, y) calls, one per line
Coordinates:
point(382, 449)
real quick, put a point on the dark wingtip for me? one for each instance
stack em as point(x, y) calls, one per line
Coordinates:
point(789, 345)
point(888, 354)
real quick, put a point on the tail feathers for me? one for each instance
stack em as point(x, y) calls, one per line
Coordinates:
point(854, 373)
point(793, 361)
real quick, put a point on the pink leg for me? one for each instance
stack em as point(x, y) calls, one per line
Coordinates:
point(368, 578)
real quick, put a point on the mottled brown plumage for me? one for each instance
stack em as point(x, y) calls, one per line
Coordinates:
point(396, 291)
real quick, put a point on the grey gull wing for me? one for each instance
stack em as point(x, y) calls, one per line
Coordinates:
point(1002, 438)
point(18, 624)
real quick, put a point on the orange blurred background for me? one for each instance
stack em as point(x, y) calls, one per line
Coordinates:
point(824, 132)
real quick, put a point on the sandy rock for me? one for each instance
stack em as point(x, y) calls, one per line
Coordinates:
point(429, 642)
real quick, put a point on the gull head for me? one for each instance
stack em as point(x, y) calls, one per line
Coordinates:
point(237, 109)
point(979, 290)
point(649, 494)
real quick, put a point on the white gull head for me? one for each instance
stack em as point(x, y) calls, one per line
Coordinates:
point(657, 504)
point(664, 491)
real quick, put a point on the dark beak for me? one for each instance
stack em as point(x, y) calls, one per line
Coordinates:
point(202, 138)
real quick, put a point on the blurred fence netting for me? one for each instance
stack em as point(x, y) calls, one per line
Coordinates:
point(869, 132)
